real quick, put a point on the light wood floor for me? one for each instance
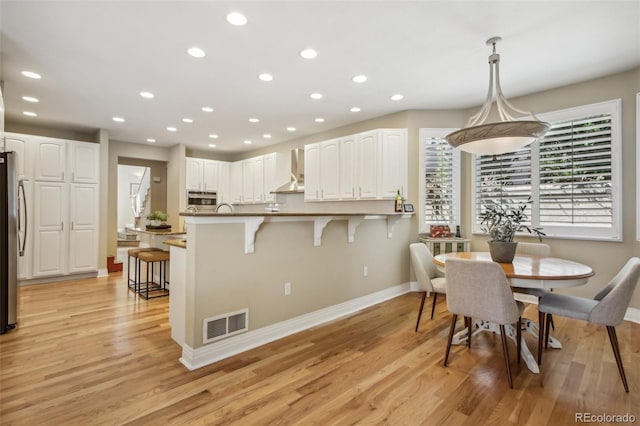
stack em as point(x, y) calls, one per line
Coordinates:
point(88, 352)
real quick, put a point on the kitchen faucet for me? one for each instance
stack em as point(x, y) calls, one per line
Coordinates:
point(224, 204)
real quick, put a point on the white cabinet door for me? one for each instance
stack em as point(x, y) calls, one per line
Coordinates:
point(84, 162)
point(393, 166)
point(83, 230)
point(235, 182)
point(194, 174)
point(247, 181)
point(49, 241)
point(223, 182)
point(312, 172)
point(348, 168)
point(329, 170)
point(269, 177)
point(367, 144)
point(50, 160)
point(19, 144)
point(210, 175)
point(258, 179)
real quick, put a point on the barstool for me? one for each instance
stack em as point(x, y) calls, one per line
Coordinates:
point(157, 288)
point(133, 253)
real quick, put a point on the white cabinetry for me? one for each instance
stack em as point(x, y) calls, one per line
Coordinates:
point(223, 182)
point(205, 175)
point(235, 182)
point(60, 178)
point(19, 146)
point(366, 166)
point(270, 176)
point(253, 179)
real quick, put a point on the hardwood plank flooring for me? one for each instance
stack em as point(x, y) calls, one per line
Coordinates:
point(89, 352)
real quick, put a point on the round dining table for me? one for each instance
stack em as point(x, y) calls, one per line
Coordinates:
point(524, 273)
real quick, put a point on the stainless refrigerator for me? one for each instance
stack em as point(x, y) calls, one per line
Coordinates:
point(12, 200)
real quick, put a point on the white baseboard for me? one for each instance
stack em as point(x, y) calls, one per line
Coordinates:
point(633, 315)
point(205, 355)
point(103, 273)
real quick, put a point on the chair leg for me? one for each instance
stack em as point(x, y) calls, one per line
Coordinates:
point(613, 337)
point(469, 322)
point(541, 321)
point(424, 296)
point(553, 326)
point(505, 349)
point(451, 330)
point(433, 307)
point(519, 337)
point(547, 328)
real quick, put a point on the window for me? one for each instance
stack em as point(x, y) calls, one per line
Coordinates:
point(572, 175)
point(440, 180)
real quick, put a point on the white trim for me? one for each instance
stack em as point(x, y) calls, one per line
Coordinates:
point(103, 272)
point(208, 354)
point(633, 315)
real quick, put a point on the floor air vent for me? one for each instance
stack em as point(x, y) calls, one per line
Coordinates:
point(221, 326)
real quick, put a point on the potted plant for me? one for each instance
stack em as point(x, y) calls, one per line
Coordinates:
point(502, 222)
point(157, 218)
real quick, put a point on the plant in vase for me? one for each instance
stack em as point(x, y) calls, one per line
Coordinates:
point(157, 218)
point(502, 222)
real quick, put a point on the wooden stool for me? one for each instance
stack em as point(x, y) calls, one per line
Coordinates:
point(133, 253)
point(158, 289)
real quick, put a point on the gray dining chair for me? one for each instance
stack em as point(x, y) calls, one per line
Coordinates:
point(535, 249)
point(606, 308)
point(479, 290)
point(430, 279)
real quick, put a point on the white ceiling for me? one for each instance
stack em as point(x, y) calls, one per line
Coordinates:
point(96, 57)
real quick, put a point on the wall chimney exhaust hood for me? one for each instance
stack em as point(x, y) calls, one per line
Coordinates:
point(297, 174)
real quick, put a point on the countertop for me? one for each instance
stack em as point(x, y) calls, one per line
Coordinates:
point(284, 214)
point(176, 243)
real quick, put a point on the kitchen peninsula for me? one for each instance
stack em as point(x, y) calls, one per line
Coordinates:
point(246, 279)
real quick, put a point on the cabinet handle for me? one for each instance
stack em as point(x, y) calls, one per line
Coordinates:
point(62, 175)
point(62, 226)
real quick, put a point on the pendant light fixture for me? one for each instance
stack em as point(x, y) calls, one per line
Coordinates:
point(507, 135)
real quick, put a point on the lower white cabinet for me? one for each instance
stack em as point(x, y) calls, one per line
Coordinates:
point(65, 228)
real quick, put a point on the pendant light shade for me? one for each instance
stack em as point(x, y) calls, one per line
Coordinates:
point(507, 135)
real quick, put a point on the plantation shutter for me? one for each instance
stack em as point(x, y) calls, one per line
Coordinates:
point(502, 179)
point(440, 182)
point(575, 173)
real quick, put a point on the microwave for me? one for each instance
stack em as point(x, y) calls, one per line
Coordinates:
point(202, 200)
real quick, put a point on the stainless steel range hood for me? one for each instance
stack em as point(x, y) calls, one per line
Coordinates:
point(297, 174)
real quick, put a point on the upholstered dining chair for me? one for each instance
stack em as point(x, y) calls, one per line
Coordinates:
point(479, 290)
point(535, 249)
point(429, 278)
point(606, 308)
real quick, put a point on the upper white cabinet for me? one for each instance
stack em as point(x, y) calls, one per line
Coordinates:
point(235, 182)
point(19, 145)
point(252, 180)
point(204, 175)
point(84, 162)
point(223, 182)
point(270, 180)
point(366, 166)
point(50, 159)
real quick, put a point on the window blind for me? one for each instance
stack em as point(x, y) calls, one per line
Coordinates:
point(440, 179)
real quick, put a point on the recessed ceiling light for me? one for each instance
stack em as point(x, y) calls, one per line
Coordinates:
point(247, 142)
point(397, 97)
point(213, 136)
point(187, 120)
point(237, 19)
point(150, 140)
point(118, 119)
point(291, 129)
point(32, 74)
point(172, 129)
point(359, 78)
point(265, 77)
point(147, 95)
point(196, 52)
point(308, 53)
point(266, 136)
point(207, 109)
point(354, 109)
point(254, 120)
point(212, 145)
point(316, 96)
point(319, 120)
point(30, 114)
point(30, 99)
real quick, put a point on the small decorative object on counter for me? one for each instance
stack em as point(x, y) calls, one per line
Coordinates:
point(458, 235)
point(157, 220)
point(398, 204)
point(407, 207)
point(439, 231)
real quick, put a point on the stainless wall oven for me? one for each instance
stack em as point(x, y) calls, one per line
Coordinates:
point(202, 200)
